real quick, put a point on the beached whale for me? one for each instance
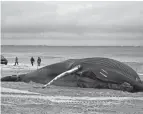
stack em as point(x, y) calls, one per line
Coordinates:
point(87, 73)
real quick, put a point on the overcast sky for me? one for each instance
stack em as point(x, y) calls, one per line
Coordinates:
point(72, 23)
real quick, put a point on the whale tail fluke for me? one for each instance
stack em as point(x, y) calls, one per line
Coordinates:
point(13, 78)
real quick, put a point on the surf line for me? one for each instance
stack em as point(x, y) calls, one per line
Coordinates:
point(71, 99)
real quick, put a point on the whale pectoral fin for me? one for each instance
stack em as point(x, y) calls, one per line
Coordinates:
point(71, 71)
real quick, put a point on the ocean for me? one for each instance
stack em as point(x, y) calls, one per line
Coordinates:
point(133, 56)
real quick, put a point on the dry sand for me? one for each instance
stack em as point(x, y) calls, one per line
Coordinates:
point(30, 98)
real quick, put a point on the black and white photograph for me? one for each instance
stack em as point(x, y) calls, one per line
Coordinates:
point(71, 57)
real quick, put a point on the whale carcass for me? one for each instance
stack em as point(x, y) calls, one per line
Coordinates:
point(95, 72)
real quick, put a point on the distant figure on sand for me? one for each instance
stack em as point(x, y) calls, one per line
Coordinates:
point(16, 61)
point(32, 60)
point(39, 61)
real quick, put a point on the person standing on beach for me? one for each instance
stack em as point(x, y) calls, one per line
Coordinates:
point(39, 61)
point(32, 60)
point(16, 61)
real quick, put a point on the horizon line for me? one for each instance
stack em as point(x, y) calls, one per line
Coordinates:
point(80, 45)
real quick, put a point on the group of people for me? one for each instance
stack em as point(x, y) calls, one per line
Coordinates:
point(32, 60)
